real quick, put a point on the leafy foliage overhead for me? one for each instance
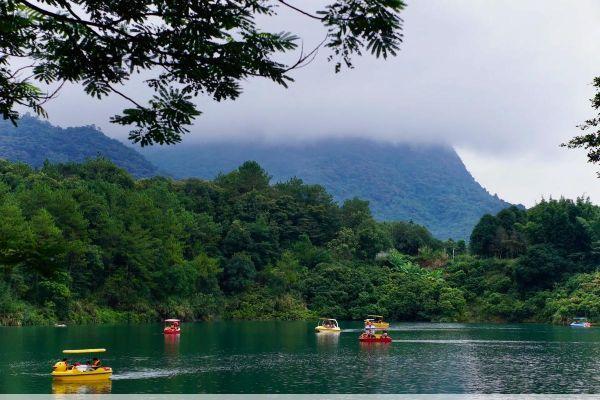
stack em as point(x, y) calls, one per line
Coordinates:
point(187, 47)
point(590, 140)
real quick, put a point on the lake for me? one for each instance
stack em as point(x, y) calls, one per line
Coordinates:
point(288, 357)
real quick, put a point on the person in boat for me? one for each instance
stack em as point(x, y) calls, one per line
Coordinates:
point(96, 363)
point(384, 334)
point(370, 329)
point(68, 366)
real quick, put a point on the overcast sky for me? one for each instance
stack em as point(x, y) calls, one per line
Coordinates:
point(504, 82)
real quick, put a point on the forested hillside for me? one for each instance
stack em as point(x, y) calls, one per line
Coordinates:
point(35, 141)
point(86, 243)
point(425, 184)
point(539, 264)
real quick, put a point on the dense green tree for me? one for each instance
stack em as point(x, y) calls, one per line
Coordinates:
point(540, 267)
point(408, 237)
point(578, 297)
point(16, 237)
point(284, 275)
point(501, 235)
point(314, 214)
point(355, 212)
point(248, 177)
point(561, 224)
point(238, 273)
point(483, 238)
point(308, 254)
point(86, 243)
point(48, 250)
point(344, 246)
point(371, 238)
point(461, 247)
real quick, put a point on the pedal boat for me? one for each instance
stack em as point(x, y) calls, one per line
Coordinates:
point(80, 373)
point(327, 325)
point(580, 323)
point(172, 327)
point(377, 321)
point(377, 338)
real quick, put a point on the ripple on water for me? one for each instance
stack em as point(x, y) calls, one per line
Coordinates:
point(288, 358)
point(483, 341)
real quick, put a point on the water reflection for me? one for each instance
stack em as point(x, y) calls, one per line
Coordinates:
point(172, 345)
point(281, 357)
point(100, 387)
point(327, 339)
point(374, 348)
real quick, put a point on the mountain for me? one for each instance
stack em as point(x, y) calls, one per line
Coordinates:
point(35, 141)
point(427, 184)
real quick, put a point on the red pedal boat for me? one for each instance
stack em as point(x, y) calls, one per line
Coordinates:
point(172, 327)
point(377, 338)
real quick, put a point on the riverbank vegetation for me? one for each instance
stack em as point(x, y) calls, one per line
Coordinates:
point(86, 243)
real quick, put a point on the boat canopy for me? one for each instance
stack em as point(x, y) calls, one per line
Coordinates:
point(171, 320)
point(83, 351)
point(375, 316)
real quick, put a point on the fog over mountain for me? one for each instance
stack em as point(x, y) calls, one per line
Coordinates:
point(426, 184)
point(503, 82)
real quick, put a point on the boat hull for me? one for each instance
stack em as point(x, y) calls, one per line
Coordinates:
point(375, 339)
point(581, 325)
point(74, 375)
point(169, 331)
point(324, 329)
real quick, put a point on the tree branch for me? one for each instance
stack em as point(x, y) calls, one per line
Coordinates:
point(312, 54)
point(300, 10)
point(60, 17)
point(53, 94)
point(123, 95)
point(75, 20)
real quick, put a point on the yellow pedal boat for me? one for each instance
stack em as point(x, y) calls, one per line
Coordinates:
point(327, 325)
point(63, 372)
point(377, 321)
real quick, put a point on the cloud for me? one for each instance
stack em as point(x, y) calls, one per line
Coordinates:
point(482, 75)
point(505, 81)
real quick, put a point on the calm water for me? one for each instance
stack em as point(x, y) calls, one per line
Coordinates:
point(288, 357)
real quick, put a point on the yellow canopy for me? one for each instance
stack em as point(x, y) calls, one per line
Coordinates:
point(84, 351)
